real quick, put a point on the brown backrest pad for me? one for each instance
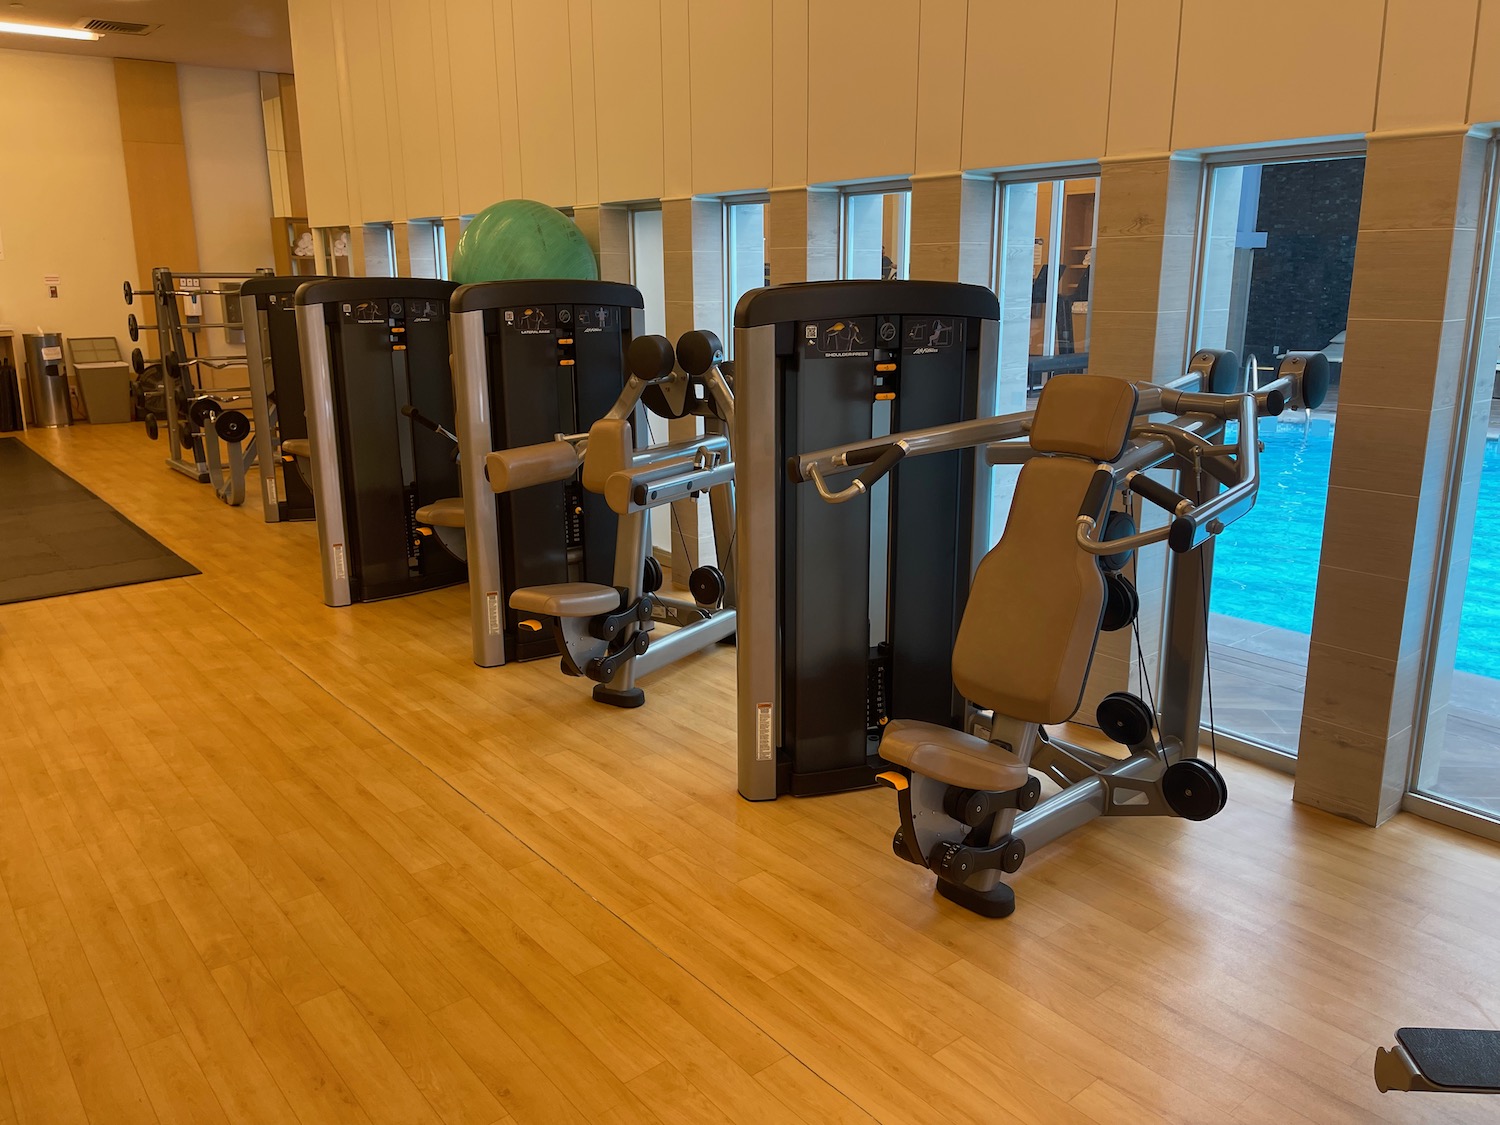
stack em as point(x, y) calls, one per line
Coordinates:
point(1033, 614)
point(1086, 415)
point(608, 452)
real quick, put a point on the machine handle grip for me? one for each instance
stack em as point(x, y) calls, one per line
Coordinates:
point(1159, 494)
point(883, 464)
point(1101, 488)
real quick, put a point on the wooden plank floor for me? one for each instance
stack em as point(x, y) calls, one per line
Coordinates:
point(264, 861)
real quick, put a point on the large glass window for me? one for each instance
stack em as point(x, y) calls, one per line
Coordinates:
point(1459, 762)
point(647, 274)
point(1276, 264)
point(876, 235)
point(380, 250)
point(429, 253)
point(745, 265)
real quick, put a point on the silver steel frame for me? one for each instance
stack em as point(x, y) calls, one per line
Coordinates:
point(323, 441)
point(268, 437)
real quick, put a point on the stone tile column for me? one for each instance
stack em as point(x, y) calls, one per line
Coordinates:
point(607, 228)
point(802, 235)
point(953, 228)
point(1406, 358)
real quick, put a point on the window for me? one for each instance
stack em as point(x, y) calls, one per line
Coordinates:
point(429, 251)
point(745, 265)
point(647, 271)
point(1459, 755)
point(380, 250)
point(876, 243)
point(440, 248)
point(1274, 277)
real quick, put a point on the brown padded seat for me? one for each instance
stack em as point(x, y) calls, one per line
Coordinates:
point(298, 447)
point(952, 757)
point(443, 513)
point(1085, 415)
point(567, 599)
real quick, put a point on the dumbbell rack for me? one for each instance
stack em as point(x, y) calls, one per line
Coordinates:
point(187, 452)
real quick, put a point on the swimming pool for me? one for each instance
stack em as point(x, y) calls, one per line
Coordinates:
point(1266, 565)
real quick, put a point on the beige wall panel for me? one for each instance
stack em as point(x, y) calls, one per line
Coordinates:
point(628, 66)
point(543, 66)
point(416, 107)
point(447, 125)
point(507, 87)
point(940, 85)
point(1036, 85)
point(585, 102)
point(148, 98)
point(368, 121)
point(677, 88)
point(389, 52)
point(1277, 105)
point(318, 119)
point(789, 78)
point(731, 115)
point(475, 76)
point(227, 168)
point(861, 88)
point(1424, 71)
point(1144, 76)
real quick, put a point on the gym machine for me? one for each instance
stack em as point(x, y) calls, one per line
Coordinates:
point(848, 614)
point(1440, 1060)
point(970, 807)
point(379, 400)
point(532, 360)
point(178, 333)
point(275, 371)
point(605, 631)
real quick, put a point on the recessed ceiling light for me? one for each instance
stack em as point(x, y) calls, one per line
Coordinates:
point(7, 26)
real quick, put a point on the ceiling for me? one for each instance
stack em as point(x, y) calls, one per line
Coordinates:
point(247, 34)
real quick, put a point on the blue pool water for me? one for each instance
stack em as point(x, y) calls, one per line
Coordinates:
point(1266, 565)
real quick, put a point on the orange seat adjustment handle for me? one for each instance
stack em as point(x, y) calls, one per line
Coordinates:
point(894, 779)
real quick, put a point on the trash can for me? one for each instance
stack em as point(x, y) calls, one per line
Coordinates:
point(47, 380)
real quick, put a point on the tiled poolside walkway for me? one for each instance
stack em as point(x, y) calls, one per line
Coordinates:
point(1259, 673)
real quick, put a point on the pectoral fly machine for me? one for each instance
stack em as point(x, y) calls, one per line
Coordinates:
point(848, 614)
point(533, 360)
point(379, 412)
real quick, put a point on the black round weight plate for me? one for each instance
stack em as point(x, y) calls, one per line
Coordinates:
point(134, 327)
point(129, 294)
point(1117, 525)
point(651, 575)
point(1193, 789)
point(173, 368)
point(137, 361)
point(1124, 718)
point(233, 426)
point(152, 430)
point(1121, 603)
point(707, 585)
point(203, 410)
point(185, 435)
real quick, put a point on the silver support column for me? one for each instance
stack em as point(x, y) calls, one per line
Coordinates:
point(268, 436)
point(757, 466)
point(471, 403)
point(323, 440)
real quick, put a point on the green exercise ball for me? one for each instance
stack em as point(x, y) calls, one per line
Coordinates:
point(521, 238)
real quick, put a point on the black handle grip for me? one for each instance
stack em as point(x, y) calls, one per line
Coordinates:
point(421, 419)
point(1096, 499)
point(882, 464)
point(1158, 494)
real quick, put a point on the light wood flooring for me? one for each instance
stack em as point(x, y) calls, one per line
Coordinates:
point(264, 861)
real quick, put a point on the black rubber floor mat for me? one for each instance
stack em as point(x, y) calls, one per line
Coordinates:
point(57, 537)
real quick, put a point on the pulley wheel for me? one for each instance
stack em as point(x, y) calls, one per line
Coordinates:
point(1121, 603)
point(651, 575)
point(1117, 525)
point(203, 410)
point(233, 426)
point(1124, 718)
point(707, 585)
point(1193, 789)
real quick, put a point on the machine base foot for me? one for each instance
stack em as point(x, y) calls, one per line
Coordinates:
point(629, 698)
point(997, 902)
